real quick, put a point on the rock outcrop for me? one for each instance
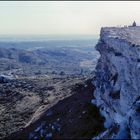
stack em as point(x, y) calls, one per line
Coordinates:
point(117, 82)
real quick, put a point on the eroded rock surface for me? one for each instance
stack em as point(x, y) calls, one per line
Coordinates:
point(117, 81)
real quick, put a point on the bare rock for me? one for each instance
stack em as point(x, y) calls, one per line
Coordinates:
point(117, 80)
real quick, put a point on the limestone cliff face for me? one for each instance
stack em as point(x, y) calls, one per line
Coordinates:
point(117, 81)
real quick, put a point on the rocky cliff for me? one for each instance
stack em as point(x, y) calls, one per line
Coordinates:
point(117, 82)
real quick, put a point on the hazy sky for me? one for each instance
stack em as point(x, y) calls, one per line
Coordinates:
point(67, 17)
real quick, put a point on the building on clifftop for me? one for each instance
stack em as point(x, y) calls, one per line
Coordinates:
point(134, 24)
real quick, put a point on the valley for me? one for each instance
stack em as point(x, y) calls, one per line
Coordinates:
point(36, 78)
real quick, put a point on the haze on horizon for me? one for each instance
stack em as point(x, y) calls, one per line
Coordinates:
point(65, 17)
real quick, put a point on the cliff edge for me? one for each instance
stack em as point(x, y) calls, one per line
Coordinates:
point(117, 82)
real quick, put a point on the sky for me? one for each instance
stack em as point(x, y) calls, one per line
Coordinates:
point(65, 17)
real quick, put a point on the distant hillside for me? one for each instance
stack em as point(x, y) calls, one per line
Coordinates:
point(50, 59)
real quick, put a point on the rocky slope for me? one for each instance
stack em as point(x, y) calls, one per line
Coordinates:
point(117, 82)
point(65, 116)
point(22, 101)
